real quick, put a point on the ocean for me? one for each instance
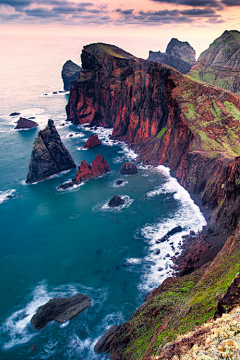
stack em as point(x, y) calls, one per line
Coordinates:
point(59, 243)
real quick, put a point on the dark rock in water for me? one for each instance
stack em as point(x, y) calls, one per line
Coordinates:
point(9, 196)
point(119, 182)
point(116, 201)
point(92, 141)
point(54, 92)
point(15, 114)
point(25, 124)
point(128, 168)
point(31, 118)
point(70, 71)
point(170, 233)
point(157, 252)
point(49, 155)
point(71, 135)
point(192, 232)
point(103, 344)
point(60, 310)
point(99, 167)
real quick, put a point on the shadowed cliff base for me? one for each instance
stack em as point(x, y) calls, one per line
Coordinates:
point(193, 128)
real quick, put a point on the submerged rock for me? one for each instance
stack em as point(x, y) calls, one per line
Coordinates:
point(128, 168)
point(116, 201)
point(25, 124)
point(60, 310)
point(92, 141)
point(70, 71)
point(49, 155)
point(119, 182)
point(99, 167)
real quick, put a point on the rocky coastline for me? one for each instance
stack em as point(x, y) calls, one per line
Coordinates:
point(117, 90)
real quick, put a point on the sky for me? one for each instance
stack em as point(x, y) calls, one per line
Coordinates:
point(140, 25)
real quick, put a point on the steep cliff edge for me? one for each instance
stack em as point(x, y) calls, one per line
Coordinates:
point(179, 55)
point(191, 127)
point(220, 63)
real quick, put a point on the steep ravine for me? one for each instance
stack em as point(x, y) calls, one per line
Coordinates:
point(191, 127)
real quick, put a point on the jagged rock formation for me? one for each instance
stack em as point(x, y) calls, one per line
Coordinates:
point(70, 71)
point(25, 124)
point(128, 168)
point(60, 310)
point(179, 55)
point(49, 155)
point(220, 63)
point(193, 128)
point(99, 167)
point(92, 141)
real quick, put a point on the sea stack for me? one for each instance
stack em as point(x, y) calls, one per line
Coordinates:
point(49, 155)
point(92, 141)
point(85, 171)
point(70, 71)
point(128, 168)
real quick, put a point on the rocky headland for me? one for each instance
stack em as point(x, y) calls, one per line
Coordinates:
point(179, 55)
point(85, 171)
point(193, 128)
point(220, 63)
point(49, 155)
point(70, 72)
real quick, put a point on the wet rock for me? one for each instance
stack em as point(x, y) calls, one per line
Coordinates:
point(170, 233)
point(103, 344)
point(192, 232)
point(99, 167)
point(25, 124)
point(157, 252)
point(116, 201)
point(60, 310)
point(128, 168)
point(15, 114)
point(54, 92)
point(31, 118)
point(119, 182)
point(49, 155)
point(92, 141)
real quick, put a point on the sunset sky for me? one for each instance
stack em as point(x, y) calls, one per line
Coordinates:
point(140, 24)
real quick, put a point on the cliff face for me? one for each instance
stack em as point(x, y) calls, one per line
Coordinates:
point(193, 128)
point(179, 55)
point(167, 118)
point(220, 63)
point(49, 155)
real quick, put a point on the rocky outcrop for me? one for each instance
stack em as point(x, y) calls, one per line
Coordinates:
point(92, 141)
point(103, 344)
point(179, 55)
point(220, 63)
point(49, 155)
point(25, 124)
point(230, 299)
point(85, 172)
point(193, 128)
point(116, 201)
point(70, 72)
point(128, 168)
point(170, 233)
point(60, 310)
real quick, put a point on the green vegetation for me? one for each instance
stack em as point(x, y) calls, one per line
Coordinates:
point(162, 132)
point(183, 303)
point(110, 50)
point(232, 109)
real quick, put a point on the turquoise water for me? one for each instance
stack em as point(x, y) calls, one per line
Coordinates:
point(58, 243)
